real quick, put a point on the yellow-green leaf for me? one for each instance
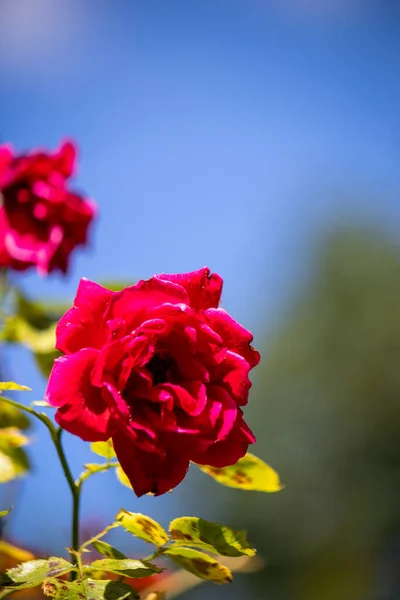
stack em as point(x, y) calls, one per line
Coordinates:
point(105, 449)
point(198, 563)
point(13, 459)
point(11, 437)
point(107, 550)
point(249, 473)
point(193, 531)
point(143, 527)
point(11, 385)
point(34, 572)
point(89, 589)
point(4, 513)
point(128, 567)
point(122, 477)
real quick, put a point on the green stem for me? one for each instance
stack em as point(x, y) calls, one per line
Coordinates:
point(99, 469)
point(75, 488)
point(75, 491)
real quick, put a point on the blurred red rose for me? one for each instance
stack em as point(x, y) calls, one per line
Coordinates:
point(41, 220)
point(160, 369)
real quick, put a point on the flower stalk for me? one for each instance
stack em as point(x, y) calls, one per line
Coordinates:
point(56, 434)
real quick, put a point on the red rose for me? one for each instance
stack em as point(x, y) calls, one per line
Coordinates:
point(160, 369)
point(41, 220)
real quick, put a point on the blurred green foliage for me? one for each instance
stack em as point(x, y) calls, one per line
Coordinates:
point(326, 411)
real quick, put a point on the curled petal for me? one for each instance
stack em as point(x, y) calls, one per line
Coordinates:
point(204, 289)
point(235, 337)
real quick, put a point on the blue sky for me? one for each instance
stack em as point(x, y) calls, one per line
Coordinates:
point(211, 132)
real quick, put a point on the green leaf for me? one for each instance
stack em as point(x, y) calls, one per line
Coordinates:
point(4, 513)
point(128, 567)
point(107, 550)
point(14, 461)
point(34, 572)
point(249, 473)
point(11, 385)
point(10, 416)
point(143, 527)
point(193, 531)
point(199, 564)
point(105, 449)
point(89, 589)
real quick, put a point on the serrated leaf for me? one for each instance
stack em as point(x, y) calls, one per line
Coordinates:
point(4, 513)
point(198, 563)
point(105, 449)
point(128, 567)
point(89, 589)
point(193, 531)
point(107, 550)
point(11, 385)
point(122, 477)
point(34, 572)
point(249, 473)
point(143, 527)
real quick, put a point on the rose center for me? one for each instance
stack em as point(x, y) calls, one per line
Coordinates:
point(161, 368)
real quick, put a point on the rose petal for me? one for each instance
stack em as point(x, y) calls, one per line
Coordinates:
point(190, 396)
point(204, 290)
point(133, 302)
point(233, 373)
point(84, 324)
point(235, 337)
point(227, 452)
point(82, 410)
point(148, 472)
